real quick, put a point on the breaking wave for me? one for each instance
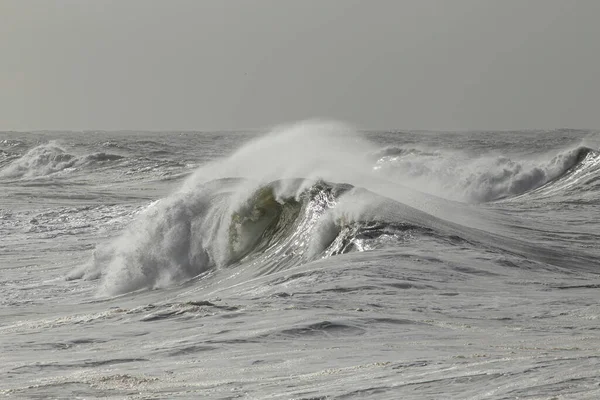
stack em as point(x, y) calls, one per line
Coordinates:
point(310, 191)
point(456, 176)
point(50, 158)
point(277, 226)
point(269, 216)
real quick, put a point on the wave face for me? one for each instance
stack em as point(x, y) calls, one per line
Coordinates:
point(457, 176)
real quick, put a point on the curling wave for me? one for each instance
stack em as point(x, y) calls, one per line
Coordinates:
point(276, 226)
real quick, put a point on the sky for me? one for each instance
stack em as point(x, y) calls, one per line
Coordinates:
point(250, 64)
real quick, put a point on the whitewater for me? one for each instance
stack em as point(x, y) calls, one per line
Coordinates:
point(310, 261)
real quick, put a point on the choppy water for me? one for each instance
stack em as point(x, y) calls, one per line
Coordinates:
point(311, 262)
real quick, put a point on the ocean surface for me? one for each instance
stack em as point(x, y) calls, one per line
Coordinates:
point(309, 262)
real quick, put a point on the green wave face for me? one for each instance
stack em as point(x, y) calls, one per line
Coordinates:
point(257, 223)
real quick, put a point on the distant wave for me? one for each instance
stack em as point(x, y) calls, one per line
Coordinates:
point(581, 177)
point(488, 178)
point(11, 143)
point(101, 157)
point(50, 158)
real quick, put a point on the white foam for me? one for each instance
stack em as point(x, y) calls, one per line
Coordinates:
point(458, 176)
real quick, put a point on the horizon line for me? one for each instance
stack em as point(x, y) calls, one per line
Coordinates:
point(258, 130)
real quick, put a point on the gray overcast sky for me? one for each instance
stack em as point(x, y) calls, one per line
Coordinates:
point(225, 64)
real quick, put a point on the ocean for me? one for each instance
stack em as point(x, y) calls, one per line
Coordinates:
point(312, 261)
